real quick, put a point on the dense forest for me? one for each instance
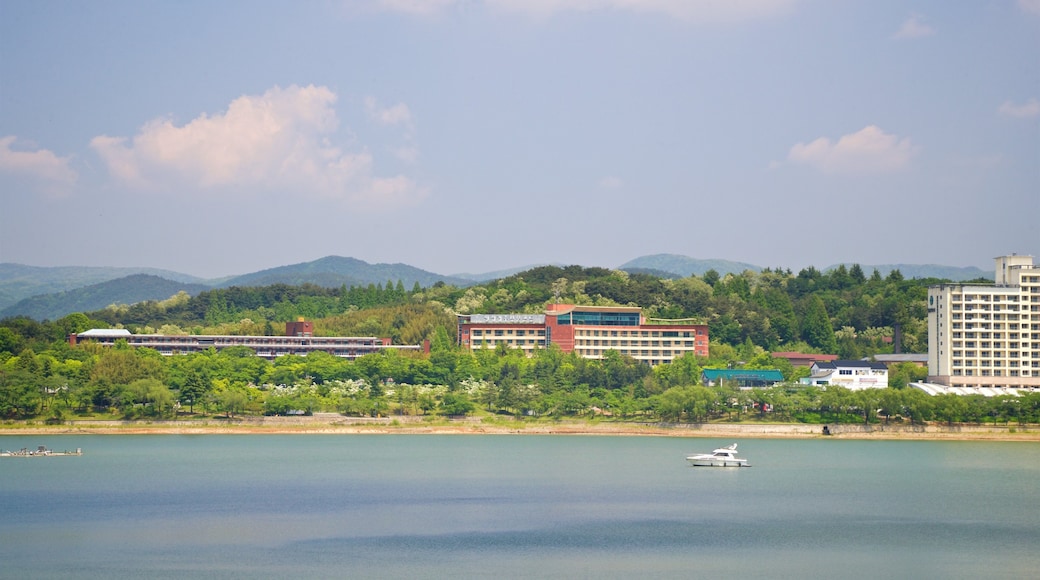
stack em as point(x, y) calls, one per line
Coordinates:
point(749, 315)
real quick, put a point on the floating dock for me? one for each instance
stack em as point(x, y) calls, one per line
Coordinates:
point(40, 451)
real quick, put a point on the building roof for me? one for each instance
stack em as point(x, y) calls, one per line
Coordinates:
point(565, 308)
point(851, 364)
point(801, 356)
point(897, 358)
point(104, 332)
point(504, 318)
point(935, 389)
point(743, 374)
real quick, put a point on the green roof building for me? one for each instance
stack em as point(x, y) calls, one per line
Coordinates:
point(743, 378)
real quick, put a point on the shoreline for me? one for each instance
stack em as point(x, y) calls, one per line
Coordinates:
point(335, 424)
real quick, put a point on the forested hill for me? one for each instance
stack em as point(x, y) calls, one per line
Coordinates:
point(18, 281)
point(328, 272)
point(127, 290)
point(845, 311)
point(335, 271)
point(952, 273)
point(685, 265)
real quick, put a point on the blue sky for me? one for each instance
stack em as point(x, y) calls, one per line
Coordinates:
point(218, 138)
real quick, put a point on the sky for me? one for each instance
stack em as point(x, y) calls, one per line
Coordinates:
point(223, 137)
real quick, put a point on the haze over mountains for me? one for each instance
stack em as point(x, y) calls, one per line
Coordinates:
point(50, 293)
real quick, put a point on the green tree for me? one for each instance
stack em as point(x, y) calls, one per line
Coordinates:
point(711, 277)
point(691, 403)
point(19, 396)
point(456, 405)
point(231, 402)
point(152, 394)
point(816, 326)
point(195, 389)
point(856, 275)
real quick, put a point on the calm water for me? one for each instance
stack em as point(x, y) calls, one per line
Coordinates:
point(399, 506)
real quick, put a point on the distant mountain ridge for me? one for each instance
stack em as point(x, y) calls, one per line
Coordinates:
point(497, 274)
point(18, 281)
point(335, 271)
point(685, 266)
point(128, 290)
point(50, 293)
point(330, 272)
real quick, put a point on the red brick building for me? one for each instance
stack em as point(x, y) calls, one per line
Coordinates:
point(589, 331)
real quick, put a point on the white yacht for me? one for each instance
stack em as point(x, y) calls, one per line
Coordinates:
point(721, 457)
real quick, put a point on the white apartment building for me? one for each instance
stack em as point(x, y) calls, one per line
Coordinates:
point(982, 335)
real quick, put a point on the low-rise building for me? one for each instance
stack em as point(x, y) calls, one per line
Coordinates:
point(298, 341)
point(743, 378)
point(589, 331)
point(851, 374)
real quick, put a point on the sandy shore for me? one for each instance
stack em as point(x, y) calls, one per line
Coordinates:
point(331, 423)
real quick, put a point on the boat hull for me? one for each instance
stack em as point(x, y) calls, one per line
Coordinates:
point(718, 463)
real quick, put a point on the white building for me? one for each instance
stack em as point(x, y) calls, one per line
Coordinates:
point(987, 335)
point(934, 389)
point(269, 347)
point(851, 374)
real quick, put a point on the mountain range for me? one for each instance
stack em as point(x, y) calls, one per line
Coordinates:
point(50, 293)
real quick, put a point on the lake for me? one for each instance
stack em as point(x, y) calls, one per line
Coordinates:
point(515, 506)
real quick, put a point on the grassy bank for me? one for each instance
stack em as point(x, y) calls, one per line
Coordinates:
point(332, 423)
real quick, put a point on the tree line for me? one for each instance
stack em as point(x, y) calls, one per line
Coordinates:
point(90, 380)
point(843, 312)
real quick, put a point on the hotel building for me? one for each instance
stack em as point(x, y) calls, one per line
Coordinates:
point(589, 331)
point(987, 335)
point(298, 340)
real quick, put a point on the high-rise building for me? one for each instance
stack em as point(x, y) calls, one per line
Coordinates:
point(987, 335)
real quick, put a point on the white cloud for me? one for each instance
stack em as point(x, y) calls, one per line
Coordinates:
point(407, 153)
point(1031, 6)
point(416, 6)
point(869, 150)
point(611, 182)
point(395, 115)
point(914, 27)
point(275, 141)
point(693, 10)
point(51, 172)
point(1027, 110)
